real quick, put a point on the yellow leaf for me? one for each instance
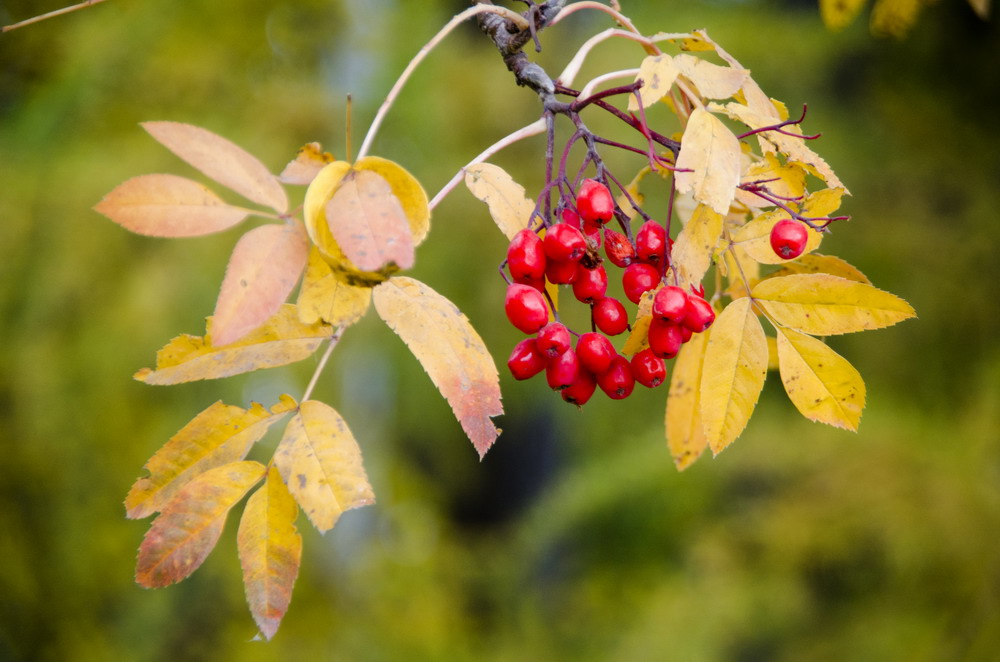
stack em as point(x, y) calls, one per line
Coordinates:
point(822, 384)
point(822, 203)
point(411, 195)
point(270, 549)
point(814, 263)
point(736, 269)
point(838, 14)
point(657, 73)
point(168, 206)
point(638, 339)
point(508, 206)
point(321, 464)
point(219, 435)
point(449, 349)
point(711, 153)
point(324, 297)
point(221, 160)
point(306, 165)
point(894, 18)
point(755, 237)
point(712, 81)
point(183, 535)
point(281, 340)
point(692, 252)
point(825, 305)
point(685, 432)
point(733, 373)
point(772, 353)
point(785, 181)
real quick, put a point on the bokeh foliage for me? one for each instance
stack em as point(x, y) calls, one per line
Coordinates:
point(576, 538)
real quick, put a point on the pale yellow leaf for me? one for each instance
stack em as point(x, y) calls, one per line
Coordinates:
point(711, 153)
point(321, 464)
point(692, 252)
point(814, 263)
point(755, 237)
point(733, 373)
point(657, 73)
point(306, 165)
point(822, 384)
point(685, 432)
point(508, 206)
point(838, 14)
point(324, 297)
point(712, 81)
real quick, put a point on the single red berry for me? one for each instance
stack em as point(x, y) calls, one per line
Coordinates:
point(571, 217)
point(564, 242)
point(594, 201)
point(620, 252)
point(561, 371)
point(665, 339)
point(670, 304)
point(590, 284)
point(699, 314)
point(595, 352)
point(788, 238)
point(561, 272)
point(526, 361)
point(525, 308)
point(617, 381)
point(537, 283)
point(651, 243)
point(648, 369)
point(686, 333)
point(610, 316)
point(526, 257)
point(581, 389)
point(639, 278)
point(553, 340)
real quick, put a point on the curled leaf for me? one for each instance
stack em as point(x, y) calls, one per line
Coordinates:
point(326, 298)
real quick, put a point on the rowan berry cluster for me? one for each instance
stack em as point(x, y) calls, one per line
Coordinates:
point(569, 254)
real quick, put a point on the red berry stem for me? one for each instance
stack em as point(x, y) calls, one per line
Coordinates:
point(817, 223)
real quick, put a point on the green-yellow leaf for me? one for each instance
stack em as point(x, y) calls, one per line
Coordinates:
point(711, 153)
point(281, 340)
point(320, 463)
point(183, 535)
point(822, 384)
point(894, 18)
point(657, 73)
point(733, 373)
point(825, 305)
point(814, 263)
point(324, 297)
point(219, 435)
point(449, 349)
point(838, 14)
point(685, 432)
point(508, 206)
point(755, 237)
point(270, 549)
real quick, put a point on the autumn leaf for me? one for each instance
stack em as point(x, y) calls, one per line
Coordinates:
point(320, 463)
point(281, 340)
point(638, 338)
point(324, 297)
point(712, 81)
point(223, 161)
point(733, 373)
point(508, 206)
point(306, 165)
point(449, 349)
point(657, 73)
point(814, 263)
point(821, 384)
point(270, 550)
point(685, 432)
point(786, 181)
point(711, 153)
point(183, 535)
point(838, 14)
point(692, 252)
point(219, 435)
point(168, 206)
point(755, 237)
point(825, 305)
point(264, 267)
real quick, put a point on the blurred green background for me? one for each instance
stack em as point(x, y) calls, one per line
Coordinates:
point(575, 538)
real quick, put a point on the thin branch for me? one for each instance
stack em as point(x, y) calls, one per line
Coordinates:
point(334, 339)
point(51, 14)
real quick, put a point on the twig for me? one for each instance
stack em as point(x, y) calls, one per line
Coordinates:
point(51, 14)
point(334, 339)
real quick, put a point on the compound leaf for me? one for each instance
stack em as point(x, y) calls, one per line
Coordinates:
point(685, 432)
point(324, 297)
point(508, 206)
point(711, 153)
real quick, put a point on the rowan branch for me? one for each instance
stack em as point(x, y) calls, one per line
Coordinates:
point(51, 14)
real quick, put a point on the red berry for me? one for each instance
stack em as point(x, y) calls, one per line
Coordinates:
point(553, 340)
point(670, 304)
point(562, 370)
point(564, 242)
point(686, 333)
point(788, 238)
point(526, 361)
point(571, 217)
point(595, 352)
point(639, 278)
point(665, 339)
point(525, 256)
point(594, 201)
point(699, 314)
point(620, 252)
point(617, 381)
point(651, 243)
point(610, 316)
point(561, 272)
point(525, 308)
point(537, 283)
point(590, 284)
point(648, 369)
point(581, 389)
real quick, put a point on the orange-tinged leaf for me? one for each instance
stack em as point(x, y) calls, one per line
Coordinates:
point(712, 81)
point(822, 384)
point(270, 549)
point(657, 73)
point(281, 340)
point(825, 305)
point(711, 153)
point(306, 165)
point(755, 237)
point(685, 432)
point(264, 267)
point(411, 195)
point(219, 435)
point(692, 252)
point(368, 222)
point(326, 298)
point(320, 463)
point(183, 535)
point(168, 206)
point(449, 349)
point(814, 263)
point(508, 206)
point(733, 373)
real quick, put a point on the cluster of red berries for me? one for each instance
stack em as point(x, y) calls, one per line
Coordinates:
point(568, 255)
